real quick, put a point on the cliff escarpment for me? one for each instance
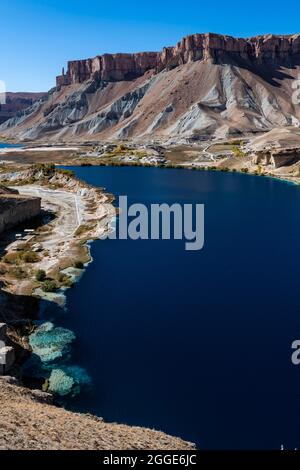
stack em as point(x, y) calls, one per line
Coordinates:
point(15, 209)
point(208, 85)
point(219, 48)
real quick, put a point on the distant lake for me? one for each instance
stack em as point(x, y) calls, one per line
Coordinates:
point(196, 344)
point(6, 145)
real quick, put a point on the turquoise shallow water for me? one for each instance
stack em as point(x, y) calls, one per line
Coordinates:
point(196, 344)
point(51, 358)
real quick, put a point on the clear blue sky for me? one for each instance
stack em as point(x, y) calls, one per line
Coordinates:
point(39, 37)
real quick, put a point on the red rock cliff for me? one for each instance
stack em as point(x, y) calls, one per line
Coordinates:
point(218, 48)
point(109, 67)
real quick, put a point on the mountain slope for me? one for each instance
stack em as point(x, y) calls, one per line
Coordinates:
point(207, 85)
point(30, 422)
point(16, 102)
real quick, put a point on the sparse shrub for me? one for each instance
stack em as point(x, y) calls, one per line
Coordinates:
point(78, 265)
point(120, 148)
point(11, 258)
point(49, 285)
point(19, 273)
point(29, 256)
point(81, 230)
point(40, 275)
point(65, 280)
point(21, 256)
point(237, 152)
point(61, 277)
point(64, 171)
point(46, 168)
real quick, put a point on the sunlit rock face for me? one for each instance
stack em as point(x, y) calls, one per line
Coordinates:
point(50, 360)
point(217, 47)
point(207, 85)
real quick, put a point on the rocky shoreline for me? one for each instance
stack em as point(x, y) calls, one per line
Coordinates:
point(43, 262)
point(74, 214)
point(29, 420)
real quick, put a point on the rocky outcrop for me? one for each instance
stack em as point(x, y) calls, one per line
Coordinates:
point(109, 67)
point(285, 157)
point(15, 209)
point(219, 48)
point(16, 102)
point(5, 190)
point(277, 157)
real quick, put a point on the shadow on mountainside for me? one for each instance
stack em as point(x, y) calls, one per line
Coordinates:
point(270, 73)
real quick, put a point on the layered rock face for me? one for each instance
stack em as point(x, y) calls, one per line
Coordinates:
point(109, 67)
point(15, 209)
point(218, 48)
point(207, 86)
point(16, 102)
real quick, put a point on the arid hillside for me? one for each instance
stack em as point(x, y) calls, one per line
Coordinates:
point(207, 85)
point(16, 102)
point(28, 421)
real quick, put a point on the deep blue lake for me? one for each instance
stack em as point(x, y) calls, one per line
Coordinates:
point(197, 344)
point(6, 145)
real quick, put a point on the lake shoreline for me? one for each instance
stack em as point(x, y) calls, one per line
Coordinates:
point(218, 171)
point(82, 213)
point(80, 154)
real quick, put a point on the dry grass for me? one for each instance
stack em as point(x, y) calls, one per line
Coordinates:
point(27, 421)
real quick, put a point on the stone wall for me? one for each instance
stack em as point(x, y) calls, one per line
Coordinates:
point(15, 209)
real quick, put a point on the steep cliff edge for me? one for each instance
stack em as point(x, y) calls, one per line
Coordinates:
point(208, 85)
point(281, 50)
